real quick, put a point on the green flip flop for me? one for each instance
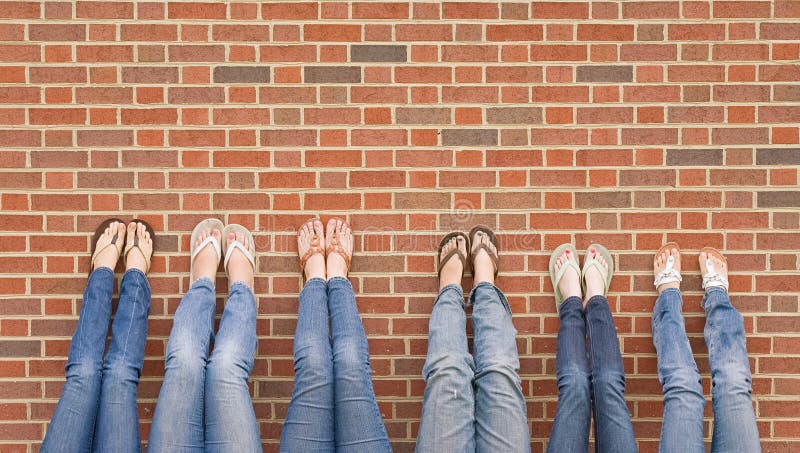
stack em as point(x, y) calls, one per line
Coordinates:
point(556, 277)
point(587, 262)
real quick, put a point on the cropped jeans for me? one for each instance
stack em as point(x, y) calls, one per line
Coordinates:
point(333, 407)
point(590, 382)
point(472, 404)
point(735, 427)
point(204, 404)
point(97, 409)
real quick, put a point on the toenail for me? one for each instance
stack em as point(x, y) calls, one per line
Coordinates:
point(567, 251)
point(593, 250)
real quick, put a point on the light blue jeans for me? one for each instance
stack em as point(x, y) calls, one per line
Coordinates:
point(97, 409)
point(333, 407)
point(204, 404)
point(735, 427)
point(472, 405)
point(590, 382)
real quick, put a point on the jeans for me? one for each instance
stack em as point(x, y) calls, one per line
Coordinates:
point(97, 409)
point(204, 404)
point(590, 383)
point(472, 405)
point(734, 419)
point(333, 405)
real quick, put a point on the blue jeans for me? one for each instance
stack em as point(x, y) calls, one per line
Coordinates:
point(204, 404)
point(97, 410)
point(590, 383)
point(735, 427)
point(472, 405)
point(333, 405)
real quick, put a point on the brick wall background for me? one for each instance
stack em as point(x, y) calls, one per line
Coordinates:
point(630, 123)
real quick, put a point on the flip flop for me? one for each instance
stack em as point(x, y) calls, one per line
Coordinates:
point(129, 247)
point(229, 247)
point(712, 277)
point(593, 262)
point(556, 277)
point(334, 245)
point(314, 248)
point(455, 252)
point(669, 274)
point(492, 254)
point(114, 240)
point(210, 224)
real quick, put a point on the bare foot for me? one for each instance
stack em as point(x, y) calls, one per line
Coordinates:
point(239, 267)
point(595, 285)
point(337, 265)
point(206, 261)
point(453, 270)
point(315, 264)
point(109, 256)
point(570, 283)
point(719, 266)
point(660, 263)
point(482, 264)
point(139, 257)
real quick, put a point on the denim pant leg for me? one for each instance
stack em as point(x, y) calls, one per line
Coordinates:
point(178, 423)
point(309, 421)
point(682, 427)
point(117, 427)
point(501, 421)
point(230, 419)
point(72, 426)
point(612, 421)
point(734, 420)
point(358, 423)
point(570, 432)
point(448, 408)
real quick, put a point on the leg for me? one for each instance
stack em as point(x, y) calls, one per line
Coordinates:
point(612, 421)
point(230, 420)
point(178, 420)
point(358, 423)
point(734, 420)
point(573, 415)
point(448, 409)
point(72, 426)
point(309, 421)
point(118, 422)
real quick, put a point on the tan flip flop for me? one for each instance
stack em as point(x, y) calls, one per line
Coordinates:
point(115, 240)
point(556, 277)
point(315, 248)
point(492, 254)
point(455, 252)
point(589, 262)
point(210, 224)
point(333, 244)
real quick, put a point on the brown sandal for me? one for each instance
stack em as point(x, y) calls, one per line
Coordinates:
point(334, 245)
point(492, 254)
point(315, 247)
point(455, 252)
point(114, 240)
point(135, 244)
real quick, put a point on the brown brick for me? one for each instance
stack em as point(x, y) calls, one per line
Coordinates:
point(421, 200)
point(378, 53)
point(514, 115)
point(469, 137)
point(778, 156)
point(241, 74)
point(650, 32)
point(423, 115)
point(695, 157)
point(779, 199)
point(600, 74)
point(19, 348)
point(57, 32)
point(786, 92)
point(150, 74)
point(332, 74)
point(602, 200)
point(513, 200)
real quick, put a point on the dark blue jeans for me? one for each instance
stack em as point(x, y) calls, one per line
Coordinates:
point(333, 405)
point(97, 409)
point(590, 382)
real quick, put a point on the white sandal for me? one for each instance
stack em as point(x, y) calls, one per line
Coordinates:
point(207, 224)
point(669, 274)
point(712, 278)
point(234, 244)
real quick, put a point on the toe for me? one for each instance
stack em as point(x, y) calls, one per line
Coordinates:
point(216, 233)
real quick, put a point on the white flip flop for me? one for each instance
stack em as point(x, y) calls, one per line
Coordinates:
point(210, 224)
point(229, 247)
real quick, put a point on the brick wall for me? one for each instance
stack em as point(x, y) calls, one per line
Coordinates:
point(626, 122)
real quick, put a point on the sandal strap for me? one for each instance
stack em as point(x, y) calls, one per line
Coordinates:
point(713, 278)
point(129, 247)
point(454, 252)
point(605, 273)
point(312, 250)
point(209, 240)
point(335, 246)
point(561, 271)
point(238, 245)
point(668, 275)
point(113, 242)
point(492, 255)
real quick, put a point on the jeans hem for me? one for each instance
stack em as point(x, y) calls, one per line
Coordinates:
point(339, 281)
point(710, 292)
point(237, 285)
point(203, 281)
point(450, 287)
point(500, 294)
point(105, 269)
point(141, 274)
